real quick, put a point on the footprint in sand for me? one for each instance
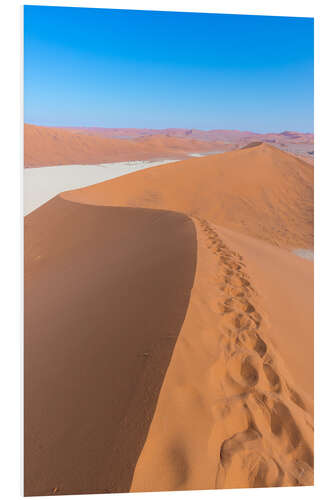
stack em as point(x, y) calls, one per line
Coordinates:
point(272, 377)
point(284, 426)
point(295, 397)
point(252, 340)
point(242, 369)
point(255, 469)
point(251, 379)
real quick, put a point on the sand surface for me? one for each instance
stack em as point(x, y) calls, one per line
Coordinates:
point(106, 292)
point(231, 412)
point(233, 406)
point(271, 269)
point(42, 184)
point(61, 146)
point(261, 192)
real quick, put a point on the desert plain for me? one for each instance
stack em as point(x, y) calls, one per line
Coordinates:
point(169, 312)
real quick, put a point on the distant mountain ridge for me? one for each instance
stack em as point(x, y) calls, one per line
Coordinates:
point(232, 136)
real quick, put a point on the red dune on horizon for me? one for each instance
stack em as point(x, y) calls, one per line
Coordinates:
point(223, 135)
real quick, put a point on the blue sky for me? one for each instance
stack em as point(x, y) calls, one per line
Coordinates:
point(114, 68)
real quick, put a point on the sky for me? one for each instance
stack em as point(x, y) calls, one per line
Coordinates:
point(143, 69)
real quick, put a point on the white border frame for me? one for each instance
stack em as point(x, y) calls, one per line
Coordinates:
point(12, 233)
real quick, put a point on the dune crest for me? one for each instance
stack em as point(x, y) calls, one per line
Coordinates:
point(261, 192)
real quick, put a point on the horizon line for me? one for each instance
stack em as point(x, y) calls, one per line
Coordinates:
point(169, 128)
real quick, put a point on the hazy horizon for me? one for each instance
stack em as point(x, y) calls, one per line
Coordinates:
point(285, 130)
point(146, 69)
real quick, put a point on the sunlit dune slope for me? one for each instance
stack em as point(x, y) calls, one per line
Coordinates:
point(236, 406)
point(261, 191)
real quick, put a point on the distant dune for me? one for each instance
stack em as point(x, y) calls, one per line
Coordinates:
point(233, 136)
point(169, 329)
point(46, 146)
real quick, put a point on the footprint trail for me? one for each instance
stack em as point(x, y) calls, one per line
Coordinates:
point(264, 428)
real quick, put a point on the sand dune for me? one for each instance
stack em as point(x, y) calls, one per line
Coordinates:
point(47, 146)
point(106, 291)
point(232, 405)
point(261, 192)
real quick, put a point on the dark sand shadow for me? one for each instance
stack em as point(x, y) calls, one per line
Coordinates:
point(106, 293)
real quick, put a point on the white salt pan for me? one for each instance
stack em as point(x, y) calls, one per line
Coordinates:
point(43, 183)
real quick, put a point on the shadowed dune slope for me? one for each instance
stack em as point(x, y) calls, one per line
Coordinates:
point(261, 192)
point(106, 292)
point(251, 145)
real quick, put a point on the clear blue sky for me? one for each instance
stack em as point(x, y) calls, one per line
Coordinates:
point(114, 68)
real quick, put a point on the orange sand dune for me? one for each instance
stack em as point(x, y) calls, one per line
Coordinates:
point(261, 191)
point(236, 405)
point(106, 291)
point(46, 146)
point(233, 403)
point(160, 142)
